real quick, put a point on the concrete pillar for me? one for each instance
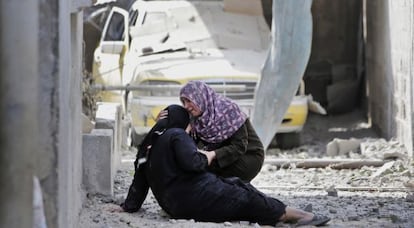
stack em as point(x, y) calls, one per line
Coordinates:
point(69, 162)
point(389, 68)
point(59, 163)
point(109, 116)
point(18, 110)
point(69, 152)
point(98, 160)
point(380, 84)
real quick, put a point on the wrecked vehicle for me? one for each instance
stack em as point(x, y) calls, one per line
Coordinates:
point(158, 46)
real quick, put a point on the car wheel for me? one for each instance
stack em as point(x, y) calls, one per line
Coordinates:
point(288, 140)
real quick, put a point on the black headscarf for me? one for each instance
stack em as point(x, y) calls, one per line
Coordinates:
point(177, 117)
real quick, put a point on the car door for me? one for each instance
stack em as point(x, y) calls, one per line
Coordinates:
point(108, 56)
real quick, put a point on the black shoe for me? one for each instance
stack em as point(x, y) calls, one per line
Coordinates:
point(317, 220)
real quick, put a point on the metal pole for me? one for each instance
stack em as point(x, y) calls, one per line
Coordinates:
point(218, 88)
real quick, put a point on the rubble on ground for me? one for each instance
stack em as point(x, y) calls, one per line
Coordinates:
point(365, 197)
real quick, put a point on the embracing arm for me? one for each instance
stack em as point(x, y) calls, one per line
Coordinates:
point(186, 153)
point(137, 192)
point(232, 148)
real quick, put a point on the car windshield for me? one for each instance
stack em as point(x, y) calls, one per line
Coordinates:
point(115, 28)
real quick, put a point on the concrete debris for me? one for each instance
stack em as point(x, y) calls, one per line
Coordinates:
point(323, 163)
point(410, 197)
point(228, 224)
point(366, 196)
point(382, 149)
point(332, 191)
point(395, 218)
point(342, 146)
point(315, 106)
point(395, 155)
point(353, 218)
point(409, 184)
point(384, 169)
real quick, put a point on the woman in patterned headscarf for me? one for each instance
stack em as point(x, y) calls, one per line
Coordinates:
point(223, 132)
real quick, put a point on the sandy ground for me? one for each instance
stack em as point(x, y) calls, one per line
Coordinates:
point(366, 197)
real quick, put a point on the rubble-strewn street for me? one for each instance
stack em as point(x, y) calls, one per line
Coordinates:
point(380, 196)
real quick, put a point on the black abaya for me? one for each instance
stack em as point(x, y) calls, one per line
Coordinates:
point(177, 176)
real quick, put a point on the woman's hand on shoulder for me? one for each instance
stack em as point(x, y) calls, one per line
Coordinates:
point(162, 115)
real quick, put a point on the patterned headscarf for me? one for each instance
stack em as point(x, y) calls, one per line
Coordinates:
point(220, 118)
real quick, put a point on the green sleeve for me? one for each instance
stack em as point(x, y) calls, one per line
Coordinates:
point(233, 148)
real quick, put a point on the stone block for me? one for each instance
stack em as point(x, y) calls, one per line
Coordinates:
point(98, 161)
point(109, 116)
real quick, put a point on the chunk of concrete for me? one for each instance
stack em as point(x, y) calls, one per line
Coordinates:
point(386, 168)
point(98, 161)
point(342, 146)
point(109, 116)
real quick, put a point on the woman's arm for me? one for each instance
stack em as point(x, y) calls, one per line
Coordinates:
point(137, 192)
point(232, 148)
point(186, 153)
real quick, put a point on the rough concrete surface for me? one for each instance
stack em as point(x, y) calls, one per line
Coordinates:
point(366, 197)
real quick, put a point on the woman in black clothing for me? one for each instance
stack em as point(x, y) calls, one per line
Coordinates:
point(168, 162)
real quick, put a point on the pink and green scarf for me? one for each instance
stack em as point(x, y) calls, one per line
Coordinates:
point(221, 117)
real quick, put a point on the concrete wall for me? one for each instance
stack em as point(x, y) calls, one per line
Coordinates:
point(18, 110)
point(389, 67)
point(335, 40)
point(335, 27)
point(40, 110)
point(60, 163)
point(69, 162)
point(46, 158)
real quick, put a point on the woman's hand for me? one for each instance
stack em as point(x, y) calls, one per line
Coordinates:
point(211, 155)
point(115, 208)
point(161, 115)
point(188, 129)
